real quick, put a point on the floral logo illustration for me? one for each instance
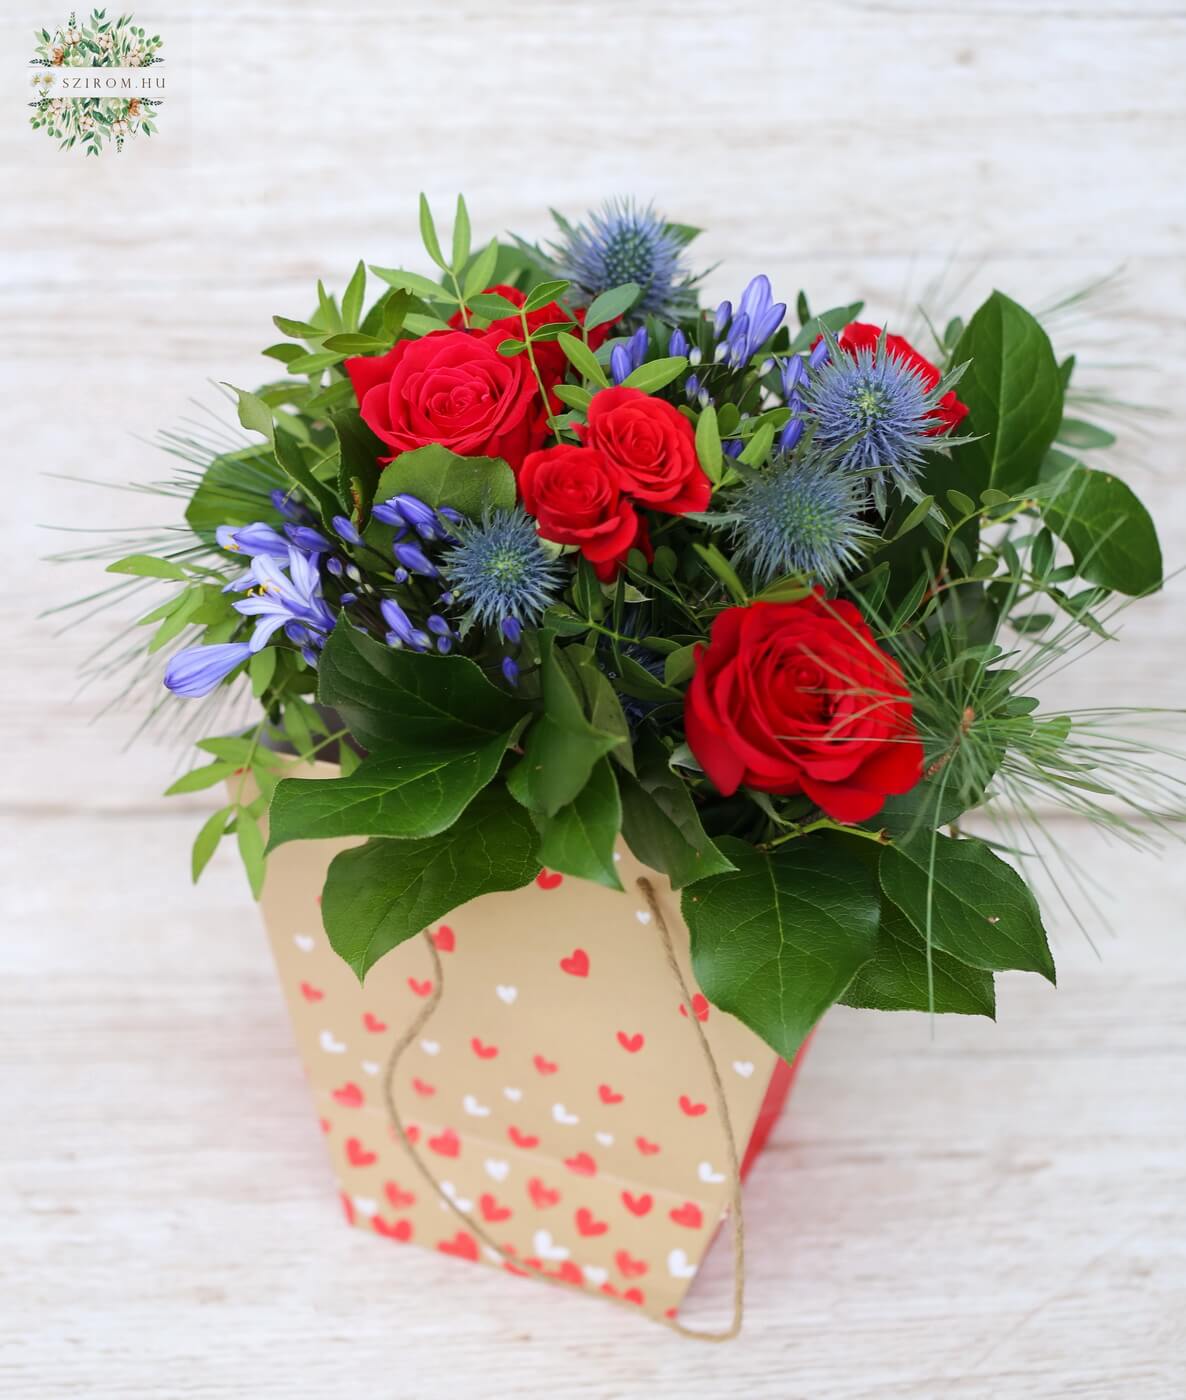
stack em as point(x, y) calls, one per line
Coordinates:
point(76, 103)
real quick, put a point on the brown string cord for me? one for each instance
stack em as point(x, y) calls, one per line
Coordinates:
point(481, 1233)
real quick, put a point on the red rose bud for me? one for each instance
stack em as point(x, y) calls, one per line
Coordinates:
point(652, 448)
point(798, 698)
point(573, 493)
point(860, 335)
point(452, 388)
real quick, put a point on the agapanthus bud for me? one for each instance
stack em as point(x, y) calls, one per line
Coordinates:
point(413, 558)
point(345, 529)
point(510, 670)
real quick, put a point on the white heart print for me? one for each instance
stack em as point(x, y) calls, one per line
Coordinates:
point(595, 1274)
point(497, 1170)
point(459, 1201)
point(330, 1045)
point(507, 995)
point(304, 941)
point(513, 1094)
point(744, 1068)
point(562, 1115)
point(546, 1248)
point(678, 1266)
point(605, 1139)
point(474, 1108)
point(643, 916)
point(706, 1173)
point(430, 1047)
point(370, 1067)
point(365, 1205)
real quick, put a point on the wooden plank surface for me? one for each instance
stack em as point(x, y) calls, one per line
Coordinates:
point(999, 1211)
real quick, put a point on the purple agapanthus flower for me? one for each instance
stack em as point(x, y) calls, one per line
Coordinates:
point(748, 327)
point(277, 598)
point(196, 671)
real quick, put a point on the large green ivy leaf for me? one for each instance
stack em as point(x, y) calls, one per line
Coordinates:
point(1014, 394)
point(379, 895)
point(256, 415)
point(660, 822)
point(579, 839)
point(981, 910)
point(405, 794)
point(1110, 534)
point(563, 745)
point(897, 978)
point(439, 477)
point(397, 699)
point(236, 489)
point(776, 941)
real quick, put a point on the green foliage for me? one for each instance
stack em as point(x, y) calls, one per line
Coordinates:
point(776, 941)
point(439, 477)
point(579, 839)
point(1110, 534)
point(381, 894)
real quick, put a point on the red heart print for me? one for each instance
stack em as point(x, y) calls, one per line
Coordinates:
point(520, 1139)
point(358, 1155)
point(588, 1224)
point(425, 1090)
point(444, 940)
point(463, 1245)
point(421, 989)
point(576, 964)
point(491, 1210)
point(347, 1207)
point(634, 1295)
point(688, 1214)
point(398, 1230)
point(628, 1266)
point(311, 993)
point(607, 1095)
point(399, 1198)
point(545, 1066)
point(541, 1196)
point(582, 1164)
point(631, 1043)
point(411, 1132)
point(372, 1023)
point(548, 879)
point(446, 1144)
point(325, 1124)
point(699, 1007)
point(482, 1051)
point(349, 1096)
point(638, 1205)
point(693, 1110)
point(647, 1149)
point(568, 1272)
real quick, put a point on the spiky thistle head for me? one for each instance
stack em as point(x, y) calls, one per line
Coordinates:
point(800, 517)
point(501, 569)
point(625, 242)
point(874, 411)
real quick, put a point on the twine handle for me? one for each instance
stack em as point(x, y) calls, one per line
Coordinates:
point(479, 1230)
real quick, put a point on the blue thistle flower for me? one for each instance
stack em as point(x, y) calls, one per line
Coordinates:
point(501, 570)
point(802, 518)
point(623, 242)
point(874, 410)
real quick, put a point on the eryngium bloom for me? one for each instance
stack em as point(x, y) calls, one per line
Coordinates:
point(500, 569)
point(800, 518)
point(620, 243)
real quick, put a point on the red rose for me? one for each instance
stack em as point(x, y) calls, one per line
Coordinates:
point(573, 492)
point(860, 335)
point(452, 388)
point(797, 697)
point(549, 357)
point(652, 446)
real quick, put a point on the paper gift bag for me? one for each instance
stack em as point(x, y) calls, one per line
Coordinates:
point(559, 1094)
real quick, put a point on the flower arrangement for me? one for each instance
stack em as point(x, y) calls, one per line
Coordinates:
point(542, 553)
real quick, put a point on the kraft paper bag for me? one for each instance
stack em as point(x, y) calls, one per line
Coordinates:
point(559, 1094)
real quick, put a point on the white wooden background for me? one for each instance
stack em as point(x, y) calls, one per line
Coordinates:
point(995, 1211)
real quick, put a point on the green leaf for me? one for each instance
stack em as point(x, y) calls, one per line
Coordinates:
point(914, 517)
point(1109, 532)
point(201, 778)
point(582, 359)
point(610, 305)
point(261, 668)
point(391, 697)
point(493, 306)
point(207, 839)
point(428, 235)
point(410, 793)
point(1073, 432)
point(257, 416)
point(284, 352)
point(981, 910)
point(352, 343)
point(574, 396)
point(352, 299)
point(379, 895)
point(1014, 395)
point(724, 571)
point(299, 330)
point(358, 462)
point(776, 941)
point(481, 270)
point(898, 977)
point(316, 362)
point(679, 664)
point(461, 236)
point(964, 504)
point(147, 566)
point(660, 822)
point(423, 287)
point(439, 477)
point(579, 839)
point(708, 444)
point(564, 744)
point(543, 293)
point(251, 849)
point(656, 374)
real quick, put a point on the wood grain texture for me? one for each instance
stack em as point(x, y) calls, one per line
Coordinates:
point(999, 1211)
